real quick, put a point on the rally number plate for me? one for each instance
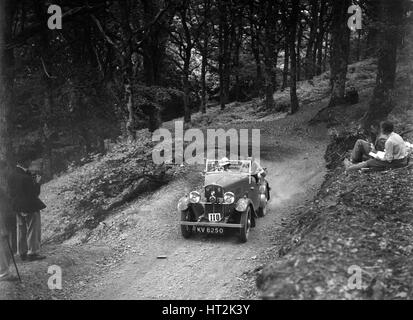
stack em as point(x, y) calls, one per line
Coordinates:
point(214, 217)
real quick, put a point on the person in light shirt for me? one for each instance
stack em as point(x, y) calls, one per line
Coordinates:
point(395, 152)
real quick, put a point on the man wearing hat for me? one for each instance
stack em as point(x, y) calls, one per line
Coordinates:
point(224, 164)
point(24, 191)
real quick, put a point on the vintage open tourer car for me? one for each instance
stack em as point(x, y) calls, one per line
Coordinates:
point(234, 196)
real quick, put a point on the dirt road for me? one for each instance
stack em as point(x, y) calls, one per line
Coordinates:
point(138, 251)
point(160, 264)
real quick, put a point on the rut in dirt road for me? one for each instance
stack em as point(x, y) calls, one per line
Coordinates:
point(206, 266)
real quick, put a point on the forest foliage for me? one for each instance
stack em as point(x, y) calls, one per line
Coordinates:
point(119, 66)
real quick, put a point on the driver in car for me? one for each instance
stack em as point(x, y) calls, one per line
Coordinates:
point(224, 164)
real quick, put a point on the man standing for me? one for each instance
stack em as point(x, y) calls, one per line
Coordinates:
point(5, 213)
point(25, 191)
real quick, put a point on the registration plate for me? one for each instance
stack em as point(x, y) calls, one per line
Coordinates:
point(214, 217)
point(213, 230)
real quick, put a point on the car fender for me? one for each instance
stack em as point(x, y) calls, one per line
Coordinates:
point(262, 200)
point(248, 203)
point(264, 189)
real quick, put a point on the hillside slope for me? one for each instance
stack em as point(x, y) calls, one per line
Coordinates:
point(359, 222)
point(109, 220)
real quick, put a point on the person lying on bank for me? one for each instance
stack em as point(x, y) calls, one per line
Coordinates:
point(395, 152)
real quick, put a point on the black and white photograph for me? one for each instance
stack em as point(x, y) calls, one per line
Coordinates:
point(206, 155)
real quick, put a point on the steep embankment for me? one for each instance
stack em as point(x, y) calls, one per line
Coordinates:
point(359, 223)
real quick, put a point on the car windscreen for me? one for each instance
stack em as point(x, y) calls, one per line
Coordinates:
point(235, 166)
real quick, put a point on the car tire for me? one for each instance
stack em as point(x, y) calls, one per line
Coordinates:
point(262, 211)
point(246, 220)
point(185, 230)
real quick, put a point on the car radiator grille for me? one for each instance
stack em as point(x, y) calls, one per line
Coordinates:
point(215, 192)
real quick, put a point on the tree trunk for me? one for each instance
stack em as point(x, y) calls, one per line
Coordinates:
point(221, 67)
point(299, 41)
point(318, 47)
point(47, 130)
point(7, 8)
point(238, 37)
point(255, 48)
point(224, 68)
point(274, 70)
point(204, 53)
point(48, 105)
point(320, 55)
point(203, 75)
point(340, 48)
point(309, 56)
point(130, 123)
point(127, 73)
point(286, 65)
point(185, 82)
point(372, 37)
point(47, 113)
point(227, 69)
point(154, 45)
point(381, 104)
point(358, 48)
point(270, 34)
point(293, 56)
point(326, 49)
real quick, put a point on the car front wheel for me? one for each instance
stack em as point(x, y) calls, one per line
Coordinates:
point(185, 230)
point(262, 211)
point(246, 225)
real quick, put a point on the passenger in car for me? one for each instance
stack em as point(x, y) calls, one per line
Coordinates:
point(256, 168)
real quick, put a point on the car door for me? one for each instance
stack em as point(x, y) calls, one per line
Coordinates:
point(253, 193)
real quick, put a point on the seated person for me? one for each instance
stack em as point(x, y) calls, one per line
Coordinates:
point(259, 174)
point(256, 168)
point(362, 148)
point(395, 153)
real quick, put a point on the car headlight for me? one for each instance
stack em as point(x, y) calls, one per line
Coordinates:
point(183, 204)
point(194, 197)
point(229, 198)
point(242, 205)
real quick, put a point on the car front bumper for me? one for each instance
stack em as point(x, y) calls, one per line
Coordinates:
point(212, 224)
